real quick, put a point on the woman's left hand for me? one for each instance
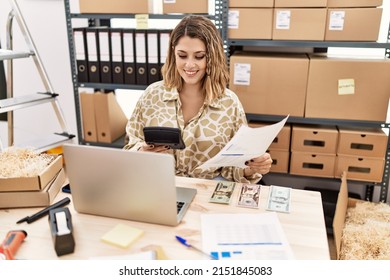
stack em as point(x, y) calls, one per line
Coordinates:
point(261, 164)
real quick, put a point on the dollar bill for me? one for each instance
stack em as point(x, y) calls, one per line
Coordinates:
point(249, 196)
point(279, 199)
point(223, 192)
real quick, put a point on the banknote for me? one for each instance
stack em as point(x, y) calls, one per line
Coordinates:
point(279, 199)
point(249, 196)
point(223, 192)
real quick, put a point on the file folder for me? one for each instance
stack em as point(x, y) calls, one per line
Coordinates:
point(88, 116)
point(153, 56)
point(81, 54)
point(105, 55)
point(164, 36)
point(93, 55)
point(128, 56)
point(110, 119)
point(140, 57)
point(117, 56)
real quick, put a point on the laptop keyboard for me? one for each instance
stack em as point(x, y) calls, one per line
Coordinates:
point(179, 205)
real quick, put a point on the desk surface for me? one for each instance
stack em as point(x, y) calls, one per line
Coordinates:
point(304, 228)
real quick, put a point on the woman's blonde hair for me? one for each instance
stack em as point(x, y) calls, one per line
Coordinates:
point(217, 74)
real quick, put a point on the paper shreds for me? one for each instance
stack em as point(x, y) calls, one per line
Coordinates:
point(22, 162)
point(366, 235)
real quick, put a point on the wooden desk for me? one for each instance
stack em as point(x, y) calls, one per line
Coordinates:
point(304, 228)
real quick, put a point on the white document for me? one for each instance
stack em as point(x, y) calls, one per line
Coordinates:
point(245, 236)
point(246, 144)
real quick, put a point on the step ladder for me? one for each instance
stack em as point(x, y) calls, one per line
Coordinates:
point(12, 103)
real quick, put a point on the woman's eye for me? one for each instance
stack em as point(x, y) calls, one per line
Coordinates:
point(181, 56)
point(200, 57)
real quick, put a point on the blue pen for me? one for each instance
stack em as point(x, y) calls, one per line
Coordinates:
point(184, 242)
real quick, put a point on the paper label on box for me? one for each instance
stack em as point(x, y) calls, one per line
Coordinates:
point(169, 1)
point(336, 20)
point(283, 20)
point(346, 86)
point(242, 74)
point(233, 19)
point(142, 21)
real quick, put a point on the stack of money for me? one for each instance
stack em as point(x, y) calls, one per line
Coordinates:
point(223, 192)
point(249, 196)
point(279, 199)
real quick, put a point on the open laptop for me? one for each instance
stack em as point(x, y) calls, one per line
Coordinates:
point(138, 186)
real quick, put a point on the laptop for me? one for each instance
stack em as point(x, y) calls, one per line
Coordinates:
point(116, 183)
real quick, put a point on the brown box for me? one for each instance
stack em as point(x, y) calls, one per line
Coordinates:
point(116, 6)
point(250, 23)
point(40, 198)
point(251, 3)
point(281, 141)
point(353, 24)
point(300, 3)
point(275, 84)
point(314, 139)
point(342, 88)
point(280, 160)
point(360, 168)
point(186, 7)
point(299, 24)
point(311, 164)
point(354, 3)
point(35, 183)
point(365, 143)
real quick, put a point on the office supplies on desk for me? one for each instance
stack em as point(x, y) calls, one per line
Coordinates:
point(11, 244)
point(125, 184)
point(122, 235)
point(61, 228)
point(185, 243)
point(45, 211)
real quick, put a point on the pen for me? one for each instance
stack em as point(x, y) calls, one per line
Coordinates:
point(43, 212)
point(184, 242)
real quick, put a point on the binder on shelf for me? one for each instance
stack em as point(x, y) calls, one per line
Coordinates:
point(110, 119)
point(164, 36)
point(105, 55)
point(81, 54)
point(153, 55)
point(128, 56)
point(93, 55)
point(117, 56)
point(141, 57)
point(87, 105)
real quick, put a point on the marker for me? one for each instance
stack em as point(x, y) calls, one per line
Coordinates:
point(184, 242)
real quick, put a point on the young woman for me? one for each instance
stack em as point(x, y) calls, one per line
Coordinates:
point(193, 97)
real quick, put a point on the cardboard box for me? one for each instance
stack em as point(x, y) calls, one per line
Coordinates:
point(116, 6)
point(251, 3)
point(185, 7)
point(299, 24)
point(35, 183)
point(280, 161)
point(281, 141)
point(270, 84)
point(354, 3)
point(310, 164)
point(360, 168)
point(342, 88)
point(353, 24)
point(362, 142)
point(41, 198)
point(250, 23)
point(314, 139)
point(300, 3)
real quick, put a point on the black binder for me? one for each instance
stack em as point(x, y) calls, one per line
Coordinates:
point(105, 55)
point(128, 56)
point(164, 36)
point(153, 56)
point(93, 55)
point(81, 54)
point(141, 57)
point(117, 56)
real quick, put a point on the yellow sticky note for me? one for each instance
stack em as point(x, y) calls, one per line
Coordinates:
point(142, 21)
point(346, 86)
point(122, 235)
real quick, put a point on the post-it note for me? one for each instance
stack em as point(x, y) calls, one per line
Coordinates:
point(122, 235)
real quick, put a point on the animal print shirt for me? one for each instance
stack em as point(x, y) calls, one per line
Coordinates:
point(204, 135)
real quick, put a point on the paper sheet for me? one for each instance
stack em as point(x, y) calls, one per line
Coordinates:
point(246, 144)
point(245, 236)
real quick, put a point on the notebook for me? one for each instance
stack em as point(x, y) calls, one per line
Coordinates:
point(138, 186)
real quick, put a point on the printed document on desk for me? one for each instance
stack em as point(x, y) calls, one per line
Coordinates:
point(257, 236)
point(246, 144)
